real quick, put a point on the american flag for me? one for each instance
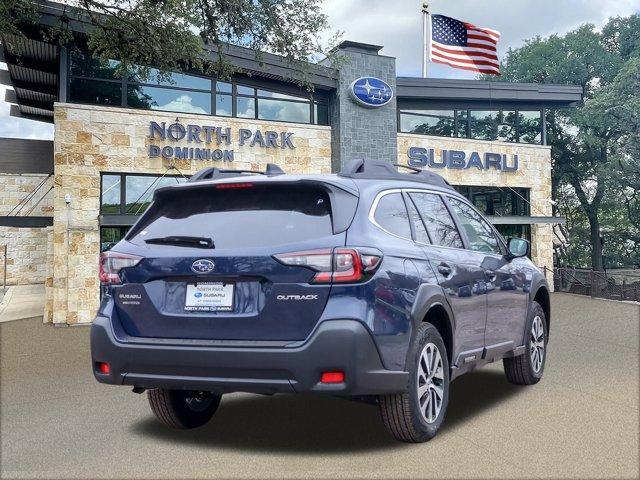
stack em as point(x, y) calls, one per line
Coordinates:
point(463, 45)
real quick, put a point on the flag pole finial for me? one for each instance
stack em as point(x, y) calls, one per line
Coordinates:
point(425, 7)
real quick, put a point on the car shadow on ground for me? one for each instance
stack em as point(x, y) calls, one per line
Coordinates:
point(317, 424)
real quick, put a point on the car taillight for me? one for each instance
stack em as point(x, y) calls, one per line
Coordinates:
point(112, 262)
point(342, 265)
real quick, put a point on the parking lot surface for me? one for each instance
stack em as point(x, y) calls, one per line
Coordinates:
point(580, 421)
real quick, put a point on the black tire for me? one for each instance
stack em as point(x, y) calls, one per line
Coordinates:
point(182, 409)
point(520, 370)
point(401, 413)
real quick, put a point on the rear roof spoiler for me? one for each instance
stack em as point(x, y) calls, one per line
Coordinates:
point(215, 173)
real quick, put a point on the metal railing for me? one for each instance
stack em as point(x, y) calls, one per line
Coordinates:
point(614, 285)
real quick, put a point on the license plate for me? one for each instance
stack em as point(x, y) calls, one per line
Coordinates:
point(209, 297)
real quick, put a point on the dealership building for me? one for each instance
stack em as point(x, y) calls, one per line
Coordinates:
point(119, 137)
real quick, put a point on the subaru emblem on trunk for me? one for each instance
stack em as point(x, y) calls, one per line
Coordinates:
point(202, 266)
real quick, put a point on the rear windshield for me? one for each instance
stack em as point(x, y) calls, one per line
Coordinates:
point(248, 217)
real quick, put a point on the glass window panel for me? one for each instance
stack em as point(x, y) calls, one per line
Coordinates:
point(109, 236)
point(95, 92)
point(151, 75)
point(245, 107)
point(267, 93)
point(418, 225)
point(479, 233)
point(156, 98)
point(463, 123)
point(110, 200)
point(85, 65)
point(321, 113)
point(140, 188)
point(506, 121)
point(530, 127)
point(223, 105)
point(242, 90)
point(223, 87)
point(437, 219)
point(283, 110)
point(484, 125)
point(428, 122)
point(391, 214)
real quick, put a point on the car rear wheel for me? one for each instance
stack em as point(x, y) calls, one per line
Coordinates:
point(183, 409)
point(416, 415)
point(527, 369)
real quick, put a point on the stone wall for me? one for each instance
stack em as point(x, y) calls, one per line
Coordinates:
point(534, 173)
point(89, 140)
point(26, 247)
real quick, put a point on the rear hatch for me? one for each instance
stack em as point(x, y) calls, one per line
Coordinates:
point(208, 269)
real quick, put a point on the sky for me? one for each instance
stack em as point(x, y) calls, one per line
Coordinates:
point(397, 25)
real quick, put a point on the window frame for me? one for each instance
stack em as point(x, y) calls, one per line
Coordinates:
point(462, 129)
point(404, 191)
point(125, 82)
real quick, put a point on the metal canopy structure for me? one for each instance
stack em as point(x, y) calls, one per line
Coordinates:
point(476, 93)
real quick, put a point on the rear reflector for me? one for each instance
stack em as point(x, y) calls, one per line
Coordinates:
point(332, 377)
point(103, 368)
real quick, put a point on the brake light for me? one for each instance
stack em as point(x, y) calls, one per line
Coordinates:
point(103, 368)
point(112, 262)
point(342, 265)
point(226, 186)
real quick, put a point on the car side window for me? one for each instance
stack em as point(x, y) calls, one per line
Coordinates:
point(480, 234)
point(391, 214)
point(419, 228)
point(441, 227)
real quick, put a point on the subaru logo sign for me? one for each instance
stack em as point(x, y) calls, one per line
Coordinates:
point(371, 92)
point(202, 266)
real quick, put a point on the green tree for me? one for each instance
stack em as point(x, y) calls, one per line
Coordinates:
point(595, 146)
point(172, 35)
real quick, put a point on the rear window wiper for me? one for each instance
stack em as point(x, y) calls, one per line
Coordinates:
point(197, 242)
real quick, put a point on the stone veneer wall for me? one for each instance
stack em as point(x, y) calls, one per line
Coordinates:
point(90, 139)
point(534, 172)
point(26, 247)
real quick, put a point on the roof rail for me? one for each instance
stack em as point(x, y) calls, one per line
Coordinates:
point(381, 170)
point(215, 173)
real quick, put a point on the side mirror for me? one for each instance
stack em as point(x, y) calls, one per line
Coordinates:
point(517, 247)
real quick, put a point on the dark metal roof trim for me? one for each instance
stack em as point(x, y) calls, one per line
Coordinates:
point(19, 155)
point(25, 222)
point(25, 112)
point(409, 88)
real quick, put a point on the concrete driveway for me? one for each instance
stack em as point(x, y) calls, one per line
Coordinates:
point(581, 421)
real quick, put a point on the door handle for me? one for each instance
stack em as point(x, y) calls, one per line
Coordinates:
point(444, 269)
point(491, 275)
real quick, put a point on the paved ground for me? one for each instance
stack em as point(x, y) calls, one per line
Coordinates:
point(581, 421)
point(22, 301)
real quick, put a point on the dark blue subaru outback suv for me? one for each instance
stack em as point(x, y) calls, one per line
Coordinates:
point(373, 284)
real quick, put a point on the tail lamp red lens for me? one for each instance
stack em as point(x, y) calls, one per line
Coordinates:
point(340, 265)
point(332, 377)
point(227, 186)
point(103, 368)
point(112, 262)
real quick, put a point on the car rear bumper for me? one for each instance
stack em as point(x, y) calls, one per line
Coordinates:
point(344, 345)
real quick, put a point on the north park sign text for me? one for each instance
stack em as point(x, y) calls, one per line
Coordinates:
point(200, 135)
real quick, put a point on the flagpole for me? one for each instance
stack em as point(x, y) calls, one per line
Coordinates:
point(426, 37)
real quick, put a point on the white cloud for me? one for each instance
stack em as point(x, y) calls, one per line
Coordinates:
point(398, 25)
point(184, 103)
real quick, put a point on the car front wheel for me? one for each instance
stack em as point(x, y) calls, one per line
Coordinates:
point(182, 409)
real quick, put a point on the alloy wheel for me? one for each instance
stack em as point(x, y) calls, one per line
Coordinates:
point(537, 344)
point(430, 384)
